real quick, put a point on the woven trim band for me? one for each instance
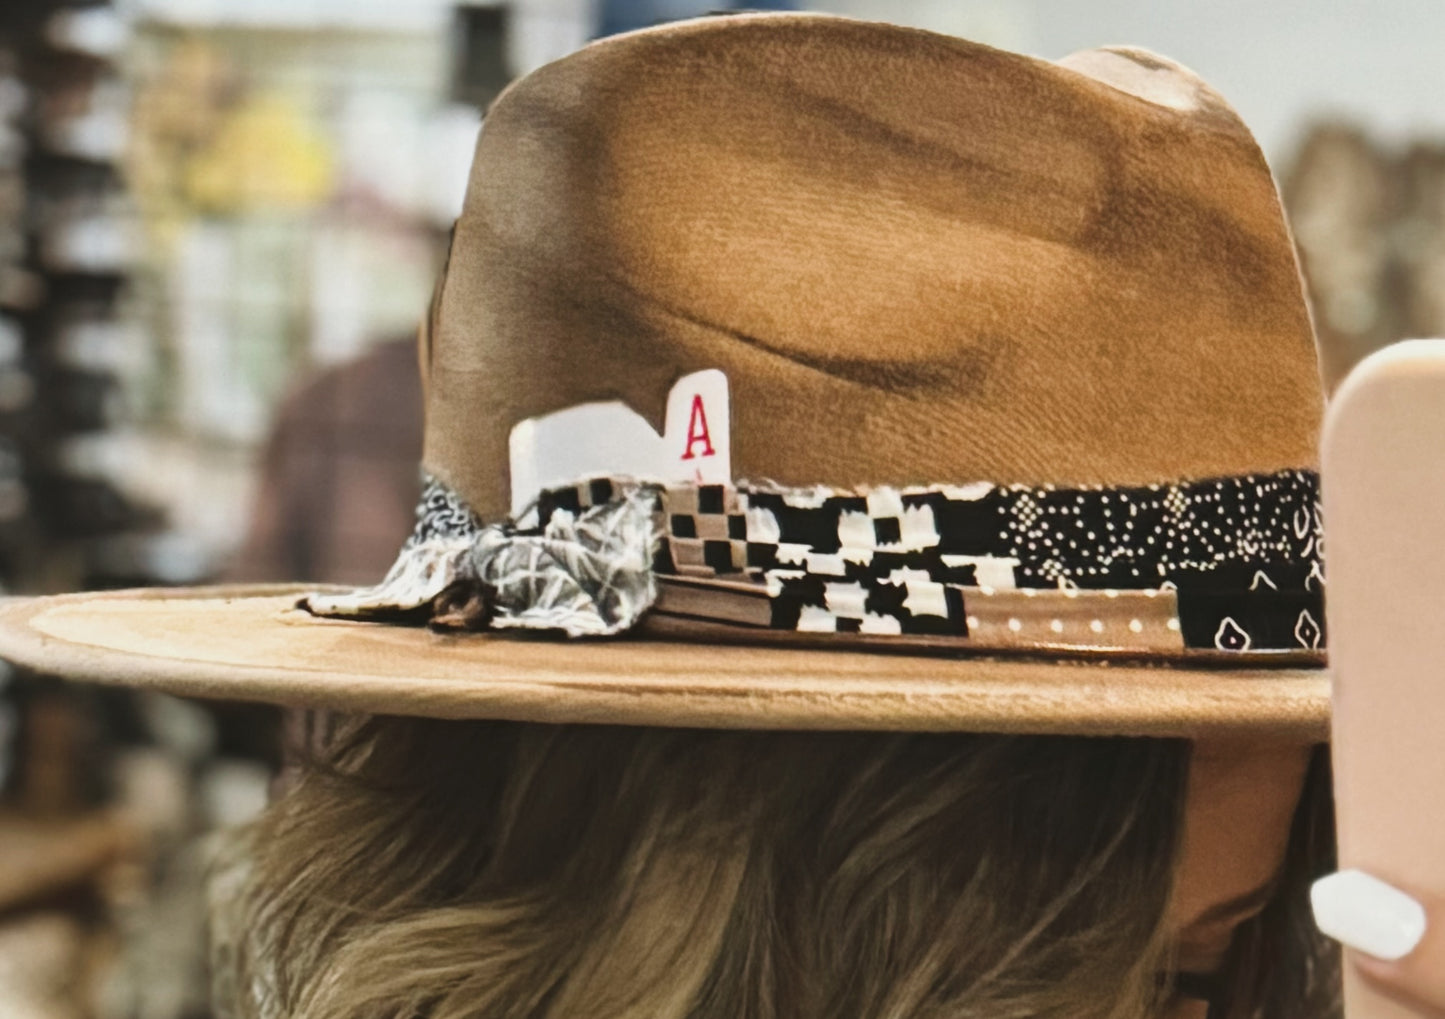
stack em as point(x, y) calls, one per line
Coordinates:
point(1228, 565)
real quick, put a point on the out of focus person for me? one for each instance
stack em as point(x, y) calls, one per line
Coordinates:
point(339, 483)
point(1369, 219)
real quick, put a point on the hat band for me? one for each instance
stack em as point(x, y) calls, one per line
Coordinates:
point(1228, 565)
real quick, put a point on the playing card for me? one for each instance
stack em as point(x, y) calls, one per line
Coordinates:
point(609, 438)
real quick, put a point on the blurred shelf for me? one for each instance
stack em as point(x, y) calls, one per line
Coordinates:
point(411, 17)
point(39, 858)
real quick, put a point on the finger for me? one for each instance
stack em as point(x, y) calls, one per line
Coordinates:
point(1409, 981)
point(1397, 949)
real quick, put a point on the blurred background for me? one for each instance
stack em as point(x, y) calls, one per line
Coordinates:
point(220, 221)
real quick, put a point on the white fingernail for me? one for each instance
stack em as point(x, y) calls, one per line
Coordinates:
point(1368, 915)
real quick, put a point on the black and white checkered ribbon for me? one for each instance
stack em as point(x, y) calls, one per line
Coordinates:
point(1229, 564)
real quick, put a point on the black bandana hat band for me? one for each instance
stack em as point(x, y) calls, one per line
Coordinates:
point(1230, 566)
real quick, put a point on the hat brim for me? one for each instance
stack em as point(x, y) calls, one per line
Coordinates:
point(252, 644)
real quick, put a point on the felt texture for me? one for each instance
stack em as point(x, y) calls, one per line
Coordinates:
point(916, 258)
point(252, 644)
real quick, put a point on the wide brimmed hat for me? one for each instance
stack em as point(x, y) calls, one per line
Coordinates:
point(798, 372)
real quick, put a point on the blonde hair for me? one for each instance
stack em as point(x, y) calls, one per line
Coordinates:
point(481, 870)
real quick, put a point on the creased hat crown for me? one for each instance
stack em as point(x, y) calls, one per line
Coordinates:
point(915, 258)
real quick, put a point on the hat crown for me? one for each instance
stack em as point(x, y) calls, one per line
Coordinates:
point(916, 260)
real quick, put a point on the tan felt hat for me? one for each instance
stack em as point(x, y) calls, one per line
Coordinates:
point(770, 345)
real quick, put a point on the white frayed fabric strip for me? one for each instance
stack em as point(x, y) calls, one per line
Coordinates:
point(421, 572)
point(587, 575)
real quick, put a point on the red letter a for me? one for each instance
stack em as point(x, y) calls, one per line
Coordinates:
point(697, 431)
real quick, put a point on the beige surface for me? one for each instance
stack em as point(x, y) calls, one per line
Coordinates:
point(222, 643)
point(1384, 461)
